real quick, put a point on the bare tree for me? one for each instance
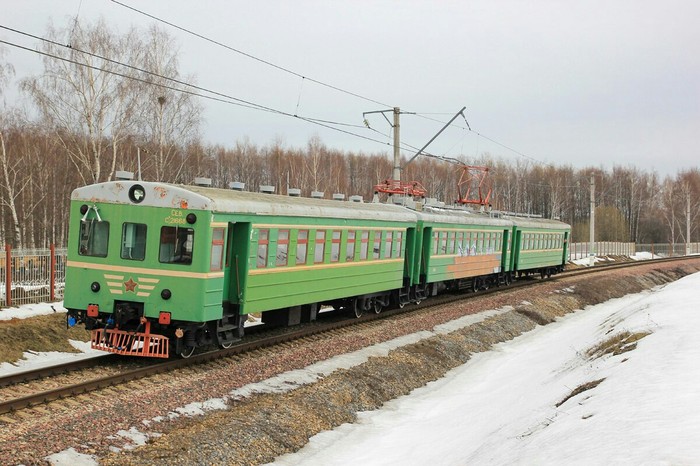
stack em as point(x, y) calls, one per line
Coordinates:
point(169, 119)
point(82, 99)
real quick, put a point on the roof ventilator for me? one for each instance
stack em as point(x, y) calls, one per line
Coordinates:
point(124, 175)
point(201, 181)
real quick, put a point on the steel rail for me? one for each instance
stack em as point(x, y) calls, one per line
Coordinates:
point(297, 333)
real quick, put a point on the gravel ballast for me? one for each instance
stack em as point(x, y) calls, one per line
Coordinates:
point(257, 428)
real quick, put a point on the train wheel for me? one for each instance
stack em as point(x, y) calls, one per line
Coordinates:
point(358, 308)
point(187, 352)
point(377, 306)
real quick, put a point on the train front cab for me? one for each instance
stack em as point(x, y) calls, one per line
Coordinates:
point(141, 277)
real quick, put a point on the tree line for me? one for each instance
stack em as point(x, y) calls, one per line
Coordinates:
point(91, 116)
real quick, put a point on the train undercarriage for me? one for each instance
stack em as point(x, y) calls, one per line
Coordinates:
point(127, 332)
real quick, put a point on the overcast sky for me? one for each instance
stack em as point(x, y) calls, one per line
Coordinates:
point(582, 83)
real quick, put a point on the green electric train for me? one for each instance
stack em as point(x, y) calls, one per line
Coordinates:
point(156, 269)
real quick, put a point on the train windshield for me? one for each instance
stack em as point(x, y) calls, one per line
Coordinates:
point(94, 237)
point(176, 245)
point(133, 241)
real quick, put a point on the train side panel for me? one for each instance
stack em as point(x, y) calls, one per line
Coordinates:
point(304, 261)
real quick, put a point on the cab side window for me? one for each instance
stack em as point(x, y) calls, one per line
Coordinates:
point(94, 238)
point(176, 245)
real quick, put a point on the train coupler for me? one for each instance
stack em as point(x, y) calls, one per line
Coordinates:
point(144, 344)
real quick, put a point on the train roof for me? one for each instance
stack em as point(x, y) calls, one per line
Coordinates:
point(532, 222)
point(232, 201)
point(457, 216)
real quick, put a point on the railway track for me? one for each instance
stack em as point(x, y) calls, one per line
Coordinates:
point(25, 396)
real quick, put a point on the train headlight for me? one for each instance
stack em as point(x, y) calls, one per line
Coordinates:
point(165, 294)
point(95, 287)
point(191, 218)
point(83, 209)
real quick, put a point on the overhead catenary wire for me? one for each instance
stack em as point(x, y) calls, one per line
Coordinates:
point(468, 128)
point(246, 54)
point(279, 67)
point(252, 105)
point(216, 96)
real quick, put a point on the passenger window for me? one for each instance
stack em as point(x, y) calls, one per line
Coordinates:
point(319, 246)
point(217, 249)
point(350, 247)
point(176, 245)
point(263, 243)
point(133, 241)
point(302, 246)
point(436, 237)
point(387, 244)
point(377, 244)
point(451, 242)
point(364, 246)
point(335, 246)
point(399, 244)
point(282, 248)
point(443, 242)
point(94, 238)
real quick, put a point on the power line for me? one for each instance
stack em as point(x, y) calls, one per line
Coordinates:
point(248, 55)
point(422, 115)
point(224, 98)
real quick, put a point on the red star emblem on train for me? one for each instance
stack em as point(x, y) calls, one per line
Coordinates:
point(130, 285)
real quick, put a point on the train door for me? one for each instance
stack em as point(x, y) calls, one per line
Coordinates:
point(410, 258)
point(506, 252)
point(425, 253)
point(236, 267)
point(565, 253)
point(515, 248)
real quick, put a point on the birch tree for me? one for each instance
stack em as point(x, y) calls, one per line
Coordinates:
point(169, 119)
point(81, 96)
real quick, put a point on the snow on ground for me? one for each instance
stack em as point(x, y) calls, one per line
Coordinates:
point(500, 407)
point(31, 310)
point(34, 360)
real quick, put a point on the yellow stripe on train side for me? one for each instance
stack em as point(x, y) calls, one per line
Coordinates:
point(142, 271)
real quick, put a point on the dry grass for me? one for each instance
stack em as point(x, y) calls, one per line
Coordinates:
point(43, 333)
point(580, 389)
point(617, 344)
